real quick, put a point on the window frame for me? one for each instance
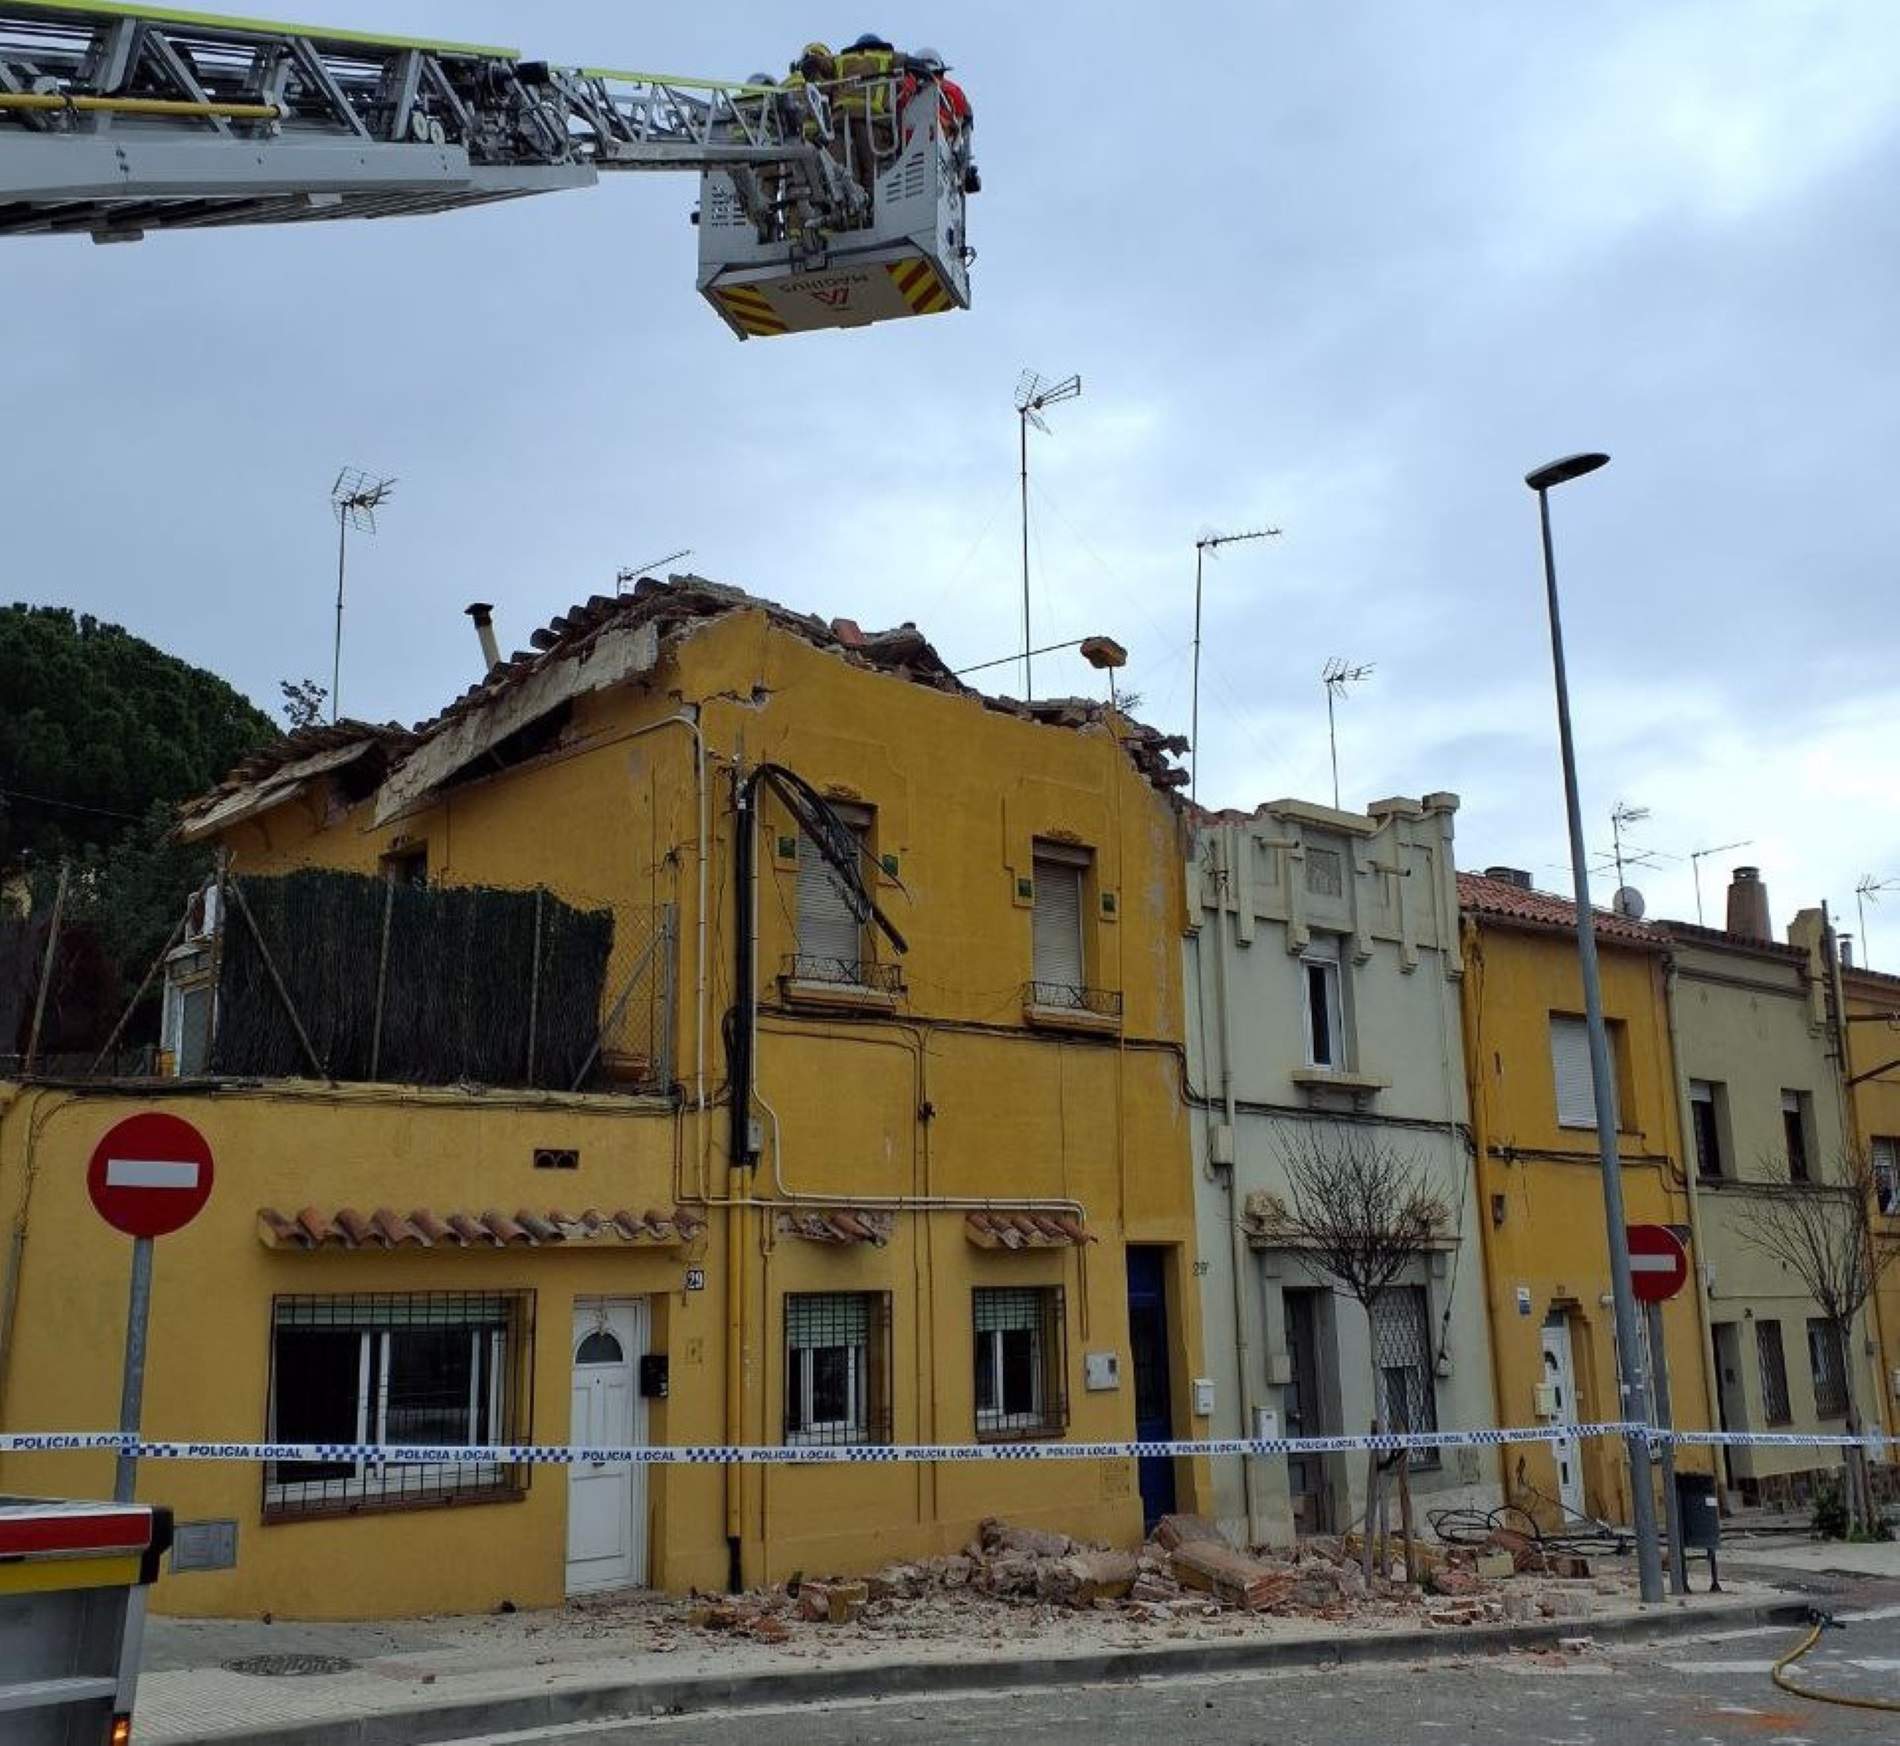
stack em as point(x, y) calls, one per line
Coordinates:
point(1776, 1383)
point(867, 1376)
point(1612, 1040)
point(1322, 958)
point(1824, 1341)
point(1796, 1130)
point(1051, 862)
point(1883, 1157)
point(1419, 1297)
point(1047, 1325)
point(861, 821)
point(1715, 1096)
point(500, 1329)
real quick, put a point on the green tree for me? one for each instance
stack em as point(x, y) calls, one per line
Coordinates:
point(96, 725)
point(101, 736)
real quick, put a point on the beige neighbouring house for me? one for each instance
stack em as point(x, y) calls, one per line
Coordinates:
point(1763, 1112)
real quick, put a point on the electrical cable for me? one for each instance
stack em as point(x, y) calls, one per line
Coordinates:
point(1780, 1674)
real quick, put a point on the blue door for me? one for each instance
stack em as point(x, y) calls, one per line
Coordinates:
point(1154, 1397)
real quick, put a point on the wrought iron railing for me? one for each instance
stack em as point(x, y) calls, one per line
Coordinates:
point(857, 974)
point(1068, 997)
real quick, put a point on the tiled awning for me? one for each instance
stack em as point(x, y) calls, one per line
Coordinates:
point(346, 1228)
point(1025, 1230)
point(838, 1224)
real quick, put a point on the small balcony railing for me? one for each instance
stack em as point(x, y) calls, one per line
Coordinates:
point(1067, 997)
point(858, 975)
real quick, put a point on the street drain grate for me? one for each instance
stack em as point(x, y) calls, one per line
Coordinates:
point(289, 1666)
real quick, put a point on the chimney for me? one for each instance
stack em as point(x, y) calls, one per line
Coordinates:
point(1748, 905)
point(1846, 943)
point(481, 612)
point(1517, 876)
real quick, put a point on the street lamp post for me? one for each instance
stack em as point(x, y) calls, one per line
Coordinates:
point(1628, 1331)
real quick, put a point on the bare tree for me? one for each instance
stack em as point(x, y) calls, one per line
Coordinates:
point(1362, 1211)
point(1823, 1234)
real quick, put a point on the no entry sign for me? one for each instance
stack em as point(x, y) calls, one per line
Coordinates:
point(150, 1175)
point(1659, 1264)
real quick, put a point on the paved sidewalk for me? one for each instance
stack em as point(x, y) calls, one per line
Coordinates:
point(1790, 1552)
point(443, 1679)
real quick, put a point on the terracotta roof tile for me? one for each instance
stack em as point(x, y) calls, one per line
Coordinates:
point(1024, 1230)
point(1500, 900)
point(383, 1228)
point(838, 1224)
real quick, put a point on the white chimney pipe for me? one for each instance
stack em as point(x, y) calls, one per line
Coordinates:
point(481, 612)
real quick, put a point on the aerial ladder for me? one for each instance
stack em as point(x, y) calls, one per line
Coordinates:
point(117, 120)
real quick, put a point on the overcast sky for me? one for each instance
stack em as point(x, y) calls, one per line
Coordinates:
point(1347, 269)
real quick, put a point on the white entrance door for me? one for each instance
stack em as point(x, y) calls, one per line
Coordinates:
point(1560, 1373)
point(607, 1501)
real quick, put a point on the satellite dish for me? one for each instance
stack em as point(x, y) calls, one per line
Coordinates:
point(1628, 902)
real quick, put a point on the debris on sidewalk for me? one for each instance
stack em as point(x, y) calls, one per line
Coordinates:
point(1187, 1571)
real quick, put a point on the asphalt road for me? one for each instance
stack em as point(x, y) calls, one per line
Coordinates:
point(1683, 1692)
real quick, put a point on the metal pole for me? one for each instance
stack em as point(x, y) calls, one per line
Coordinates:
point(336, 657)
point(1022, 432)
point(1332, 740)
point(1603, 1084)
point(1695, 868)
point(1194, 706)
point(1665, 1421)
point(47, 966)
point(132, 1390)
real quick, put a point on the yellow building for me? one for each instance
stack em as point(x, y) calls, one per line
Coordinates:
point(955, 1204)
point(1533, 1114)
point(1871, 1000)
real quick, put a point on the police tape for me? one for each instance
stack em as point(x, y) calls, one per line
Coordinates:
point(802, 1454)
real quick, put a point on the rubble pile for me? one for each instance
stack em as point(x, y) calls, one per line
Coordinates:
point(1187, 1571)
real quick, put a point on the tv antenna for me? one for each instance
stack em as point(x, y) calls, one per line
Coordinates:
point(622, 578)
point(1034, 394)
point(1866, 892)
point(356, 496)
point(1698, 856)
point(1337, 676)
point(1622, 815)
point(1208, 542)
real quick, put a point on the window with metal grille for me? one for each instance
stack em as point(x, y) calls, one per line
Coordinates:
point(831, 934)
point(1773, 1363)
point(1402, 1354)
point(1794, 1126)
point(449, 1369)
point(1021, 1361)
point(1570, 1066)
point(1828, 1362)
point(1886, 1162)
point(1325, 1010)
point(1703, 1096)
point(837, 1367)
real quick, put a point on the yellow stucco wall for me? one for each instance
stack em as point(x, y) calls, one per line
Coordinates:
point(1541, 1208)
point(952, 1094)
point(1873, 1044)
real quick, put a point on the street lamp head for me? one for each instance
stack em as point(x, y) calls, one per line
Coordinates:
point(1562, 472)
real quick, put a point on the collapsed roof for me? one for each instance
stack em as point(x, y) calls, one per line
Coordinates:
point(599, 643)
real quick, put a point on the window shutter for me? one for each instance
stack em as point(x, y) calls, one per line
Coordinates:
point(1570, 1063)
point(826, 926)
point(1058, 924)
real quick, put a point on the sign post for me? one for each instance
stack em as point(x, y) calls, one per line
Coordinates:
point(150, 1175)
point(1659, 1268)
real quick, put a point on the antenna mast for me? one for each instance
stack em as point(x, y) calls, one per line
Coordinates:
point(1208, 543)
point(1336, 676)
point(1033, 394)
point(355, 497)
point(1869, 889)
point(1697, 857)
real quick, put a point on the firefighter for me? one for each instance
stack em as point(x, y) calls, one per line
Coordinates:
point(954, 113)
point(866, 72)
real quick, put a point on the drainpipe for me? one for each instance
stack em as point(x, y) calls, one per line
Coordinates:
point(739, 1156)
point(1243, 1361)
point(1685, 1120)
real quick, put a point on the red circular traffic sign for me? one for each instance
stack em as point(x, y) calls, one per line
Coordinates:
point(150, 1175)
point(1659, 1264)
